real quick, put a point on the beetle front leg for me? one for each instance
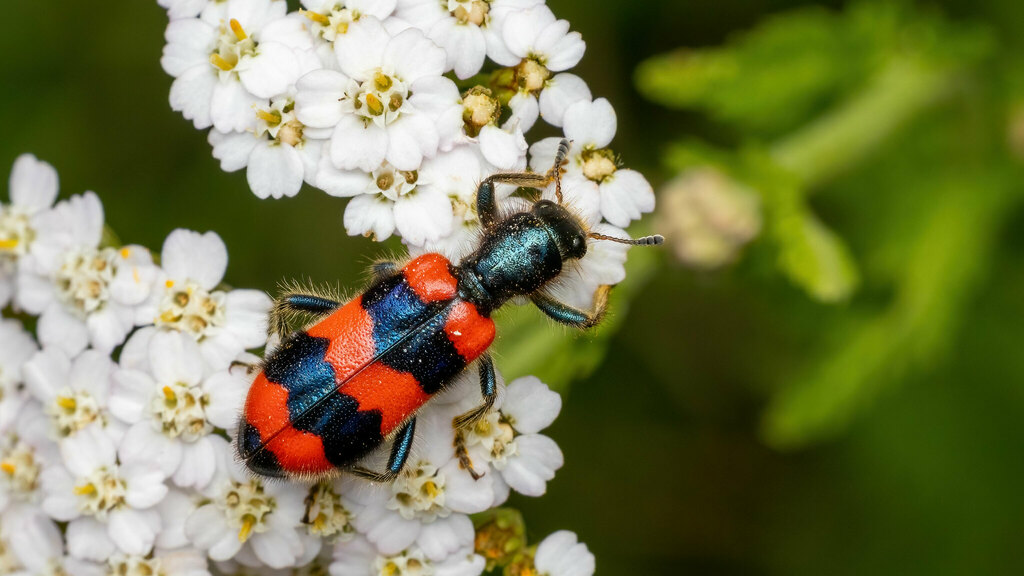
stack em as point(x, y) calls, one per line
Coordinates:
point(382, 269)
point(488, 389)
point(565, 314)
point(486, 197)
point(291, 304)
point(399, 455)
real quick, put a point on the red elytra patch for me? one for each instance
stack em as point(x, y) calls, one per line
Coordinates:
point(266, 408)
point(430, 278)
point(350, 331)
point(379, 387)
point(468, 331)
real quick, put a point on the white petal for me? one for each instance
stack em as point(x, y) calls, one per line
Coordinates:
point(542, 153)
point(445, 536)
point(271, 71)
point(232, 107)
point(226, 390)
point(37, 541)
point(341, 183)
point(358, 145)
point(88, 540)
point(88, 449)
point(462, 564)
point(581, 196)
point(202, 258)
point(252, 15)
point(136, 274)
point(531, 404)
point(539, 458)
point(198, 464)
point(565, 53)
point(135, 353)
point(316, 98)
point(277, 548)
point(60, 329)
point(388, 530)
point(464, 45)
point(60, 502)
point(463, 493)
point(46, 373)
point(189, 43)
point(378, 8)
point(33, 183)
point(131, 531)
point(560, 554)
point(561, 92)
point(34, 291)
point(275, 171)
point(183, 8)
point(174, 510)
point(142, 443)
point(354, 558)
point(625, 197)
point(91, 372)
point(524, 111)
point(410, 139)
point(370, 215)
point(414, 56)
point(108, 327)
point(423, 215)
point(590, 123)
point(146, 486)
point(192, 93)
point(246, 316)
point(131, 392)
point(206, 526)
point(291, 31)
point(520, 29)
point(502, 149)
point(174, 357)
point(232, 148)
point(361, 49)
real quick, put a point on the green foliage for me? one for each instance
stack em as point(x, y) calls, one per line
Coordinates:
point(865, 108)
point(791, 66)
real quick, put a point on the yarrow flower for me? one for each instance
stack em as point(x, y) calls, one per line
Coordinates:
point(33, 188)
point(357, 98)
point(117, 407)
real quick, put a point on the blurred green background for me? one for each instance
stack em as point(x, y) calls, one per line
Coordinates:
point(845, 398)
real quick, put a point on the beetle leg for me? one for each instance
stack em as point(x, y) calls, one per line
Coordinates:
point(488, 389)
point(486, 199)
point(250, 369)
point(463, 455)
point(384, 269)
point(566, 314)
point(399, 454)
point(291, 304)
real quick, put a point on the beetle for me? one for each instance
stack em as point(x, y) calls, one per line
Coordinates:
point(332, 393)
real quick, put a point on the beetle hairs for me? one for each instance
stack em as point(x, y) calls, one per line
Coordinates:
point(653, 240)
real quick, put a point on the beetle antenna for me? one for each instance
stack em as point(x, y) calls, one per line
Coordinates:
point(655, 240)
point(556, 170)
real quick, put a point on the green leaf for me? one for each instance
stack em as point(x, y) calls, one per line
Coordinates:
point(948, 256)
point(814, 257)
point(768, 79)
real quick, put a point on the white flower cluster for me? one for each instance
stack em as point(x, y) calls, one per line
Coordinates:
point(116, 419)
point(401, 105)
